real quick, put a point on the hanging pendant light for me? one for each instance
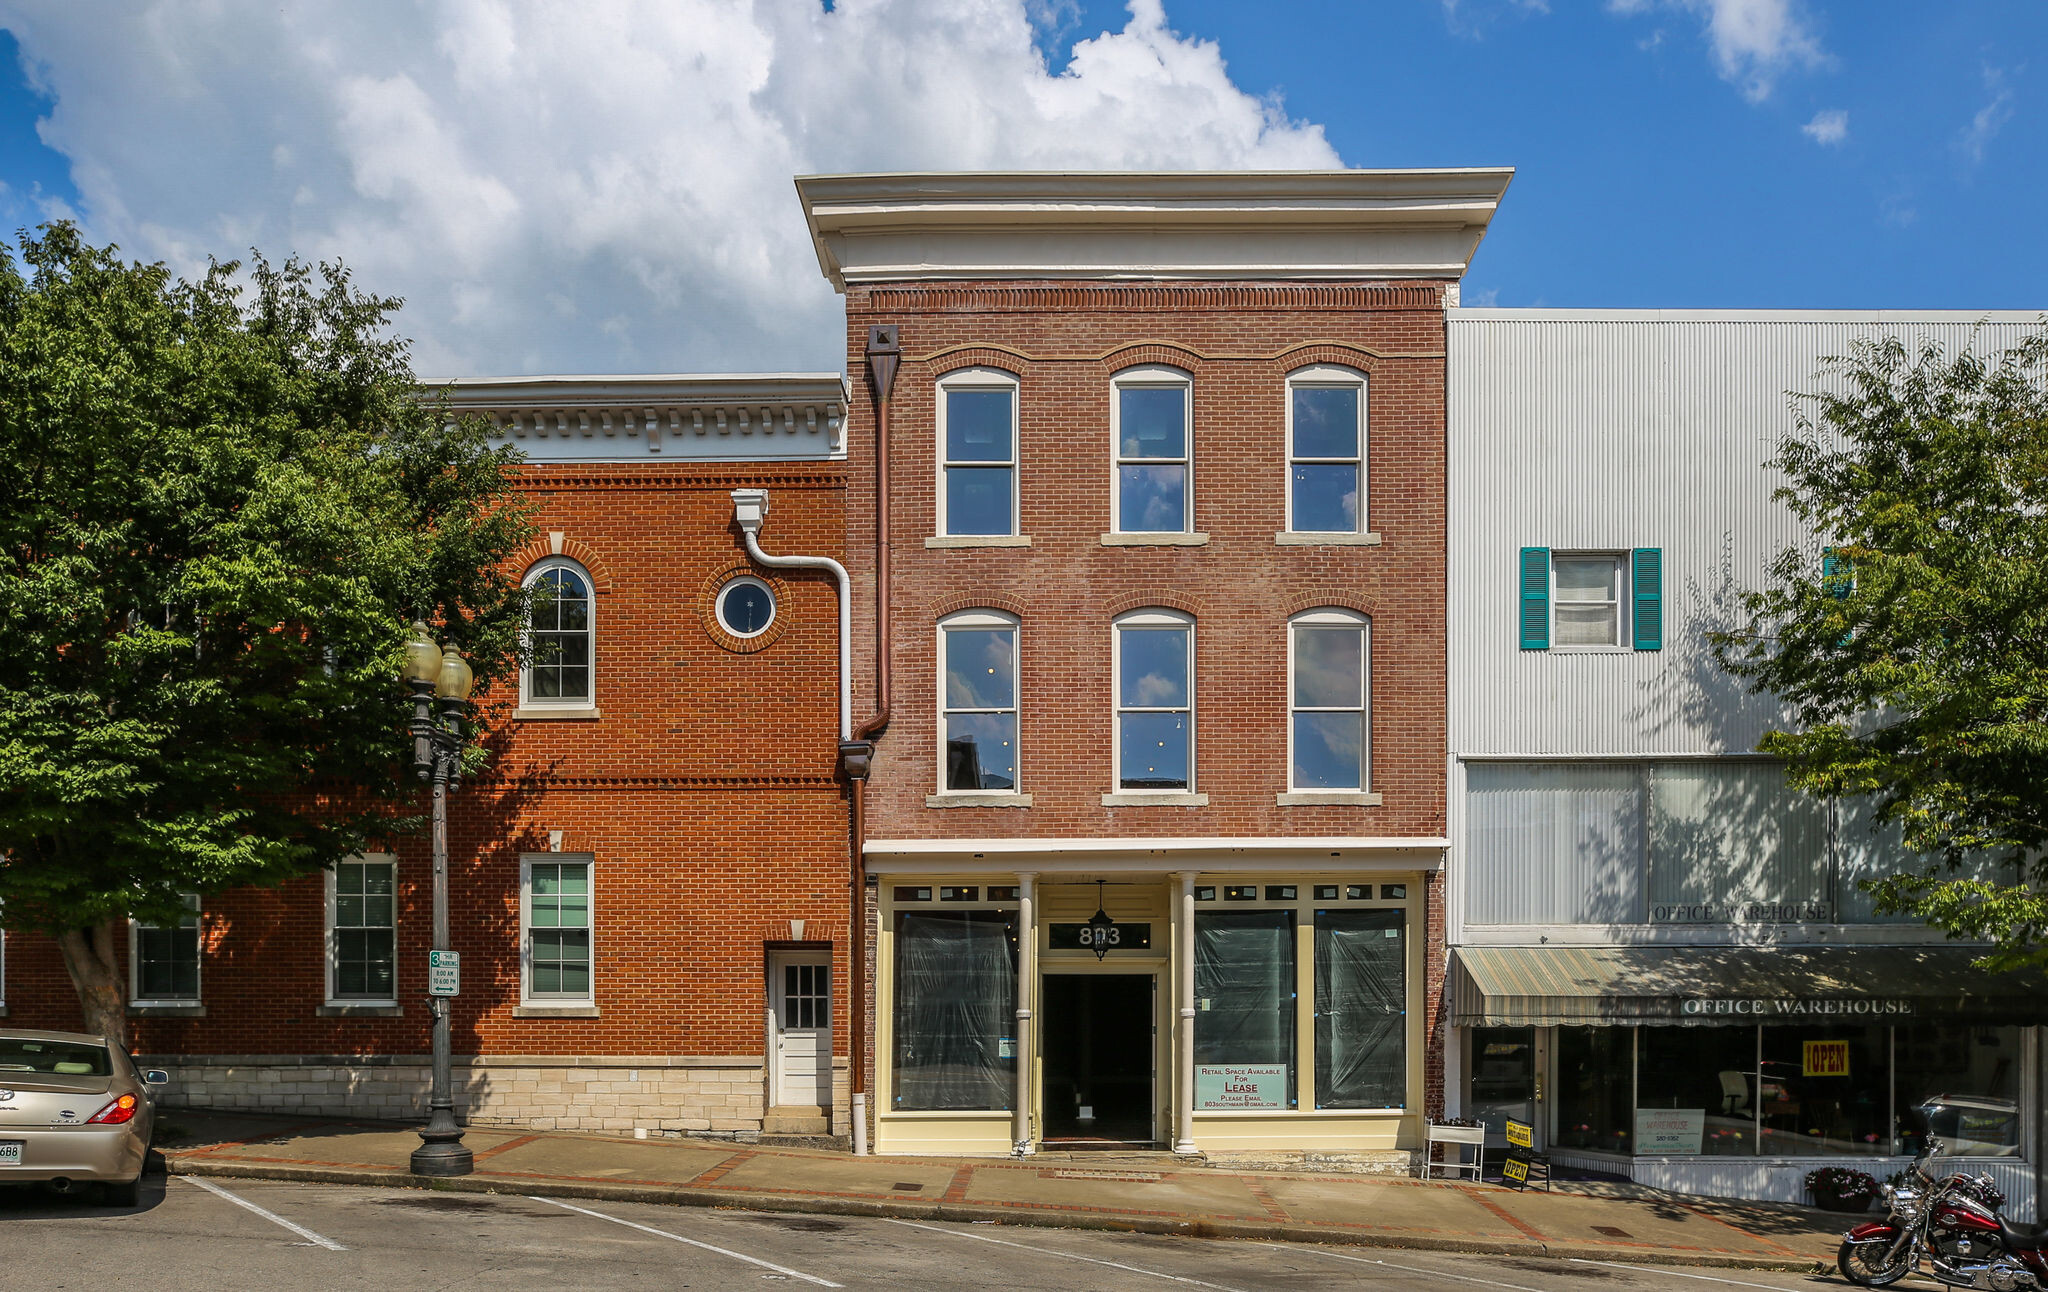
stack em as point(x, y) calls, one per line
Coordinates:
point(1101, 929)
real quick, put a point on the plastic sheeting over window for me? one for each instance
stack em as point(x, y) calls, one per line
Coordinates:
point(1361, 1009)
point(1244, 993)
point(956, 1010)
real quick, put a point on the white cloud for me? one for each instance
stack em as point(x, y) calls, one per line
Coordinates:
point(1973, 139)
point(1753, 41)
point(599, 186)
point(1830, 126)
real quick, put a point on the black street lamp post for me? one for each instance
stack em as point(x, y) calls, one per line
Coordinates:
point(440, 681)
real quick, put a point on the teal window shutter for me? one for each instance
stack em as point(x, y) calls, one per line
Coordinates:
point(1535, 598)
point(1838, 580)
point(1646, 565)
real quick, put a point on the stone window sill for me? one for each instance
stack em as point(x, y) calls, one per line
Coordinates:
point(361, 1009)
point(1328, 798)
point(1309, 538)
point(529, 712)
point(1155, 540)
point(167, 1009)
point(555, 1011)
point(977, 800)
point(1152, 798)
point(979, 540)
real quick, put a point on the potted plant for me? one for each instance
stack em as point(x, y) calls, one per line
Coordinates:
point(1841, 1188)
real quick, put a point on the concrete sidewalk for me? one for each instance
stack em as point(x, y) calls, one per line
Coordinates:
point(1152, 1193)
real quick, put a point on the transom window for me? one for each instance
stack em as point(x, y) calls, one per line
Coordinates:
point(1151, 422)
point(1326, 451)
point(1586, 598)
point(978, 659)
point(1328, 733)
point(559, 636)
point(1155, 701)
point(558, 901)
point(978, 448)
point(165, 957)
point(363, 931)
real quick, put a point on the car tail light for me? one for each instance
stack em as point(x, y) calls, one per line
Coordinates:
point(121, 1110)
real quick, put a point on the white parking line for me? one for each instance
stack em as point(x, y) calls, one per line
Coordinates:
point(271, 1216)
point(1049, 1251)
point(1679, 1274)
point(1411, 1269)
point(663, 1233)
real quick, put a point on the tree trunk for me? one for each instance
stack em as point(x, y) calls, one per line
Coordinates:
point(96, 976)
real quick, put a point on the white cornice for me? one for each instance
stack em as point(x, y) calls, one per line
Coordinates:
point(1192, 224)
point(691, 417)
point(1296, 850)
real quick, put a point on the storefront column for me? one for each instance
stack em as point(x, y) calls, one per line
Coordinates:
point(1027, 979)
point(1184, 997)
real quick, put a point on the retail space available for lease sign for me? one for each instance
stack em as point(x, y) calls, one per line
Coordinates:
point(1794, 1007)
point(1241, 1085)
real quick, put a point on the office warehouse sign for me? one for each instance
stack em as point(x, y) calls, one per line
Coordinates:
point(1765, 1008)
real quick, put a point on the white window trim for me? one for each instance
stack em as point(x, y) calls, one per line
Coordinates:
point(1148, 618)
point(1624, 569)
point(135, 997)
point(979, 379)
point(526, 864)
point(744, 581)
point(982, 619)
point(1156, 376)
point(1332, 617)
point(587, 705)
point(1328, 375)
point(334, 998)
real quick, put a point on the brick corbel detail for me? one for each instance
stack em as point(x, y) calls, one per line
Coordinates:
point(1157, 598)
point(542, 547)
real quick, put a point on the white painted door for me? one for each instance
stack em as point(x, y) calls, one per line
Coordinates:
point(803, 1030)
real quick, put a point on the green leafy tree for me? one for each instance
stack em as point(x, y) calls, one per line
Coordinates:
point(222, 504)
point(1912, 652)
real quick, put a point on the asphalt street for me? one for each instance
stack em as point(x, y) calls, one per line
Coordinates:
point(219, 1235)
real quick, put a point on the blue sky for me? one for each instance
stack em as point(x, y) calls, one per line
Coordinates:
point(611, 194)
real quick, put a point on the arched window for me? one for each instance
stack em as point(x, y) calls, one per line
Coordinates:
point(1329, 686)
point(559, 671)
point(1155, 701)
point(978, 703)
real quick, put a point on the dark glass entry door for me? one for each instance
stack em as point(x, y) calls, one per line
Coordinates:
point(1097, 1042)
point(1503, 1077)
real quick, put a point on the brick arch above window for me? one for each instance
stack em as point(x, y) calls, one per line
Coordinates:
point(943, 365)
point(1157, 598)
point(1311, 353)
point(1143, 354)
point(1332, 598)
point(953, 605)
point(554, 543)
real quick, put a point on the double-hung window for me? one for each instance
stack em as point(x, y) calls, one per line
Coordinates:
point(1152, 424)
point(559, 637)
point(978, 442)
point(1326, 451)
point(557, 909)
point(1155, 701)
point(163, 959)
point(978, 688)
point(1329, 726)
point(1591, 600)
point(362, 932)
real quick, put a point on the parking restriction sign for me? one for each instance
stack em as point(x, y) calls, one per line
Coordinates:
point(444, 973)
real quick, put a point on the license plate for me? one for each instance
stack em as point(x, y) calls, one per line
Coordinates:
point(10, 1152)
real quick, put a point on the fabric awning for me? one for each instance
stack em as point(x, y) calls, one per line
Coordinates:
point(1550, 986)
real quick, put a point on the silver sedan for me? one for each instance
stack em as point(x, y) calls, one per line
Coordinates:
point(74, 1109)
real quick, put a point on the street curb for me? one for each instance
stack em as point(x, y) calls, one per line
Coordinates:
point(966, 1213)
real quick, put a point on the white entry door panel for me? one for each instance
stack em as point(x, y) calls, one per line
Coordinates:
point(803, 1030)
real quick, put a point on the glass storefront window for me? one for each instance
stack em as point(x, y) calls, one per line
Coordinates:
point(1244, 1009)
point(1596, 1073)
point(956, 1009)
point(1962, 1084)
point(1361, 1009)
point(1699, 1082)
point(1823, 1090)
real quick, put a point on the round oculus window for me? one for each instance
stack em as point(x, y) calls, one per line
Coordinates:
point(745, 607)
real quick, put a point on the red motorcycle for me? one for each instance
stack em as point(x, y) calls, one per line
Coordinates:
point(1952, 1226)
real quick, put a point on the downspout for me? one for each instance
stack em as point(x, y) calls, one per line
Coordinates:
point(856, 750)
point(749, 510)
